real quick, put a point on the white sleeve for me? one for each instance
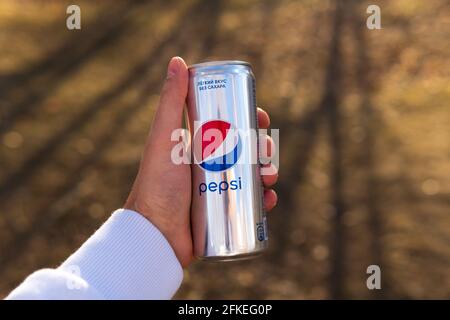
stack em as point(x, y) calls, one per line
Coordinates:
point(127, 258)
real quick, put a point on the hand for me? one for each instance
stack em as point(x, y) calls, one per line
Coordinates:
point(162, 189)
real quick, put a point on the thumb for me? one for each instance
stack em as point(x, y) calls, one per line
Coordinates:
point(173, 96)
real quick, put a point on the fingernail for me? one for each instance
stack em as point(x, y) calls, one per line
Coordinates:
point(173, 67)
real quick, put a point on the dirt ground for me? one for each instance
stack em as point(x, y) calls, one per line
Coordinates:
point(364, 119)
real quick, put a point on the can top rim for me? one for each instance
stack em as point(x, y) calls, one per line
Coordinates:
point(218, 63)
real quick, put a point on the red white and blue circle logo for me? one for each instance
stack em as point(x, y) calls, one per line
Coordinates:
point(220, 145)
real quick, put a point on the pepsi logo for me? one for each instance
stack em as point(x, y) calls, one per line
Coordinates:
point(219, 145)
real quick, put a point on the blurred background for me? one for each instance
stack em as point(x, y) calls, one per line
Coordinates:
point(364, 120)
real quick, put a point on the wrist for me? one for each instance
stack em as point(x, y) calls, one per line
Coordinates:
point(168, 228)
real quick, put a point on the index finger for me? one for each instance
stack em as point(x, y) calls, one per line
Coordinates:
point(263, 119)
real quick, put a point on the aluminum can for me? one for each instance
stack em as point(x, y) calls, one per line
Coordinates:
point(227, 214)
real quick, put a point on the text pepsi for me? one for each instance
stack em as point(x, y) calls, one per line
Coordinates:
point(220, 187)
point(227, 212)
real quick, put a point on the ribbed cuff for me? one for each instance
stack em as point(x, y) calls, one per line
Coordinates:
point(127, 258)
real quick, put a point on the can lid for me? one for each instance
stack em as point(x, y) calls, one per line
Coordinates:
point(218, 63)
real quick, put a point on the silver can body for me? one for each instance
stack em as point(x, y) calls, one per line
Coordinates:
point(227, 213)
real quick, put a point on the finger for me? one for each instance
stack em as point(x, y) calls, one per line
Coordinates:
point(266, 146)
point(173, 96)
point(263, 119)
point(270, 199)
point(270, 179)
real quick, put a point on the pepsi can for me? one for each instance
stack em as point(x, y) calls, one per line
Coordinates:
point(227, 212)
